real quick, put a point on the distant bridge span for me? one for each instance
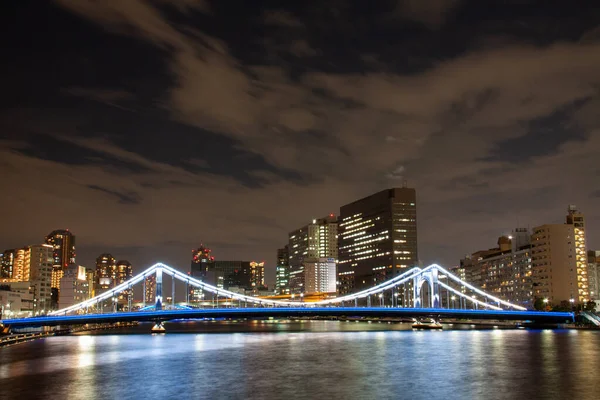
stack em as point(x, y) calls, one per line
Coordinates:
point(299, 312)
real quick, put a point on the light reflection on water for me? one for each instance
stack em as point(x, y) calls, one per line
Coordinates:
point(322, 359)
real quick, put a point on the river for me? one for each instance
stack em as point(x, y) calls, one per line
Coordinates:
point(304, 360)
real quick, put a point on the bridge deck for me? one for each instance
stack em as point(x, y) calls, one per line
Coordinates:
point(283, 312)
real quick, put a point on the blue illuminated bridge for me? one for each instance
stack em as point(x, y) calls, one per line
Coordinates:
point(431, 292)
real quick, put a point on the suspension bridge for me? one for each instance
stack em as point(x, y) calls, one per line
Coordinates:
point(419, 292)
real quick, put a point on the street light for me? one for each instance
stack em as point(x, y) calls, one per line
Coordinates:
point(396, 296)
point(381, 299)
point(453, 298)
point(572, 301)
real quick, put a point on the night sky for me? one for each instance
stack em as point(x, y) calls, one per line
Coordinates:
point(149, 127)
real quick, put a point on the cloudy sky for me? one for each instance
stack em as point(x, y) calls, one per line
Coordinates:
point(149, 126)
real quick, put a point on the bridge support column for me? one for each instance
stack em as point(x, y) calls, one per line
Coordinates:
point(173, 291)
point(435, 289)
point(158, 300)
point(144, 294)
point(129, 298)
point(416, 292)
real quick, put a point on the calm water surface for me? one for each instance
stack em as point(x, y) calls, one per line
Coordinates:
point(305, 360)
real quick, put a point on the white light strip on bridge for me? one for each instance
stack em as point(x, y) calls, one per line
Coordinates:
point(396, 281)
point(109, 294)
point(464, 296)
point(478, 291)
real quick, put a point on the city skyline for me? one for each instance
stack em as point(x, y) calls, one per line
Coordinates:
point(489, 115)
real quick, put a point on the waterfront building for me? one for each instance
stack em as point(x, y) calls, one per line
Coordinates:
point(74, 286)
point(282, 271)
point(504, 271)
point(315, 240)
point(377, 239)
point(63, 244)
point(559, 260)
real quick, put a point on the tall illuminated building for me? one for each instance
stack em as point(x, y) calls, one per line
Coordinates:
point(377, 238)
point(282, 271)
point(106, 273)
point(559, 260)
point(20, 271)
point(123, 272)
point(316, 240)
point(63, 243)
point(39, 262)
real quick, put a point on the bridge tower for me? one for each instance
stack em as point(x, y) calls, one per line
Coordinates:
point(431, 277)
point(158, 297)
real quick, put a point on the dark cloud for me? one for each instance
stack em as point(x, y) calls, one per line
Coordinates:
point(246, 125)
point(124, 198)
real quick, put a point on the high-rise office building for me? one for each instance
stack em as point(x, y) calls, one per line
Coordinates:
point(63, 243)
point(282, 271)
point(377, 238)
point(309, 243)
point(594, 274)
point(7, 263)
point(559, 260)
point(106, 273)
